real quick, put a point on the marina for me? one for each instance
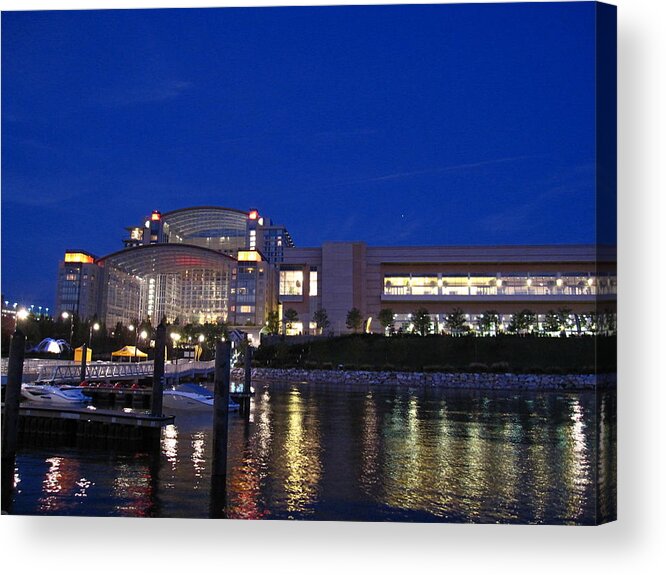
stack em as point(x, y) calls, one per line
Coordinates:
point(348, 453)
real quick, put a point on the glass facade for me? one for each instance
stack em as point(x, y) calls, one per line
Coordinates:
point(183, 282)
point(219, 229)
point(538, 284)
point(69, 289)
point(291, 282)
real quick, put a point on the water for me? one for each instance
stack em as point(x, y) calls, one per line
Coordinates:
point(377, 454)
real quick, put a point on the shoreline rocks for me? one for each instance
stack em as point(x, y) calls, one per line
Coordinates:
point(499, 381)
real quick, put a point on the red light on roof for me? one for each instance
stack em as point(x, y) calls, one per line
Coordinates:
point(254, 214)
point(155, 216)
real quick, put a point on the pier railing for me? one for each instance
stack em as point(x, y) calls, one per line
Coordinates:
point(108, 371)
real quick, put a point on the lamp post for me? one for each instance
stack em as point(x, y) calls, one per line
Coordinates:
point(21, 315)
point(136, 338)
point(175, 337)
point(93, 327)
point(142, 335)
point(65, 315)
point(201, 339)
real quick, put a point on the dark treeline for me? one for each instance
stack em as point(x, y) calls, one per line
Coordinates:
point(501, 353)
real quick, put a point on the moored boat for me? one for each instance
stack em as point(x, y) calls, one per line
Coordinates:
point(188, 396)
point(53, 394)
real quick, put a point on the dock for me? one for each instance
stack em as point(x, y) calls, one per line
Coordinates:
point(89, 426)
point(69, 372)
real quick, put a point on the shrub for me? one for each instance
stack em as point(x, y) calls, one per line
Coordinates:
point(433, 368)
point(388, 367)
point(554, 369)
point(500, 367)
point(477, 367)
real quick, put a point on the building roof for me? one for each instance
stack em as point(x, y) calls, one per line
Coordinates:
point(165, 259)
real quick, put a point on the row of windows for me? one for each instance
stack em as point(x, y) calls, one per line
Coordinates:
point(514, 284)
point(291, 284)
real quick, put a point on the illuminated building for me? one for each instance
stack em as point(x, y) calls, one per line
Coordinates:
point(478, 279)
point(78, 284)
point(207, 264)
point(197, 265)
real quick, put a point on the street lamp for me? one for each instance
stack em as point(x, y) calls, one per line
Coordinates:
point(65, 315)
point(176, 338)
point(21, 315)
point(136, 337)
point(199, 347)
point(93, 327)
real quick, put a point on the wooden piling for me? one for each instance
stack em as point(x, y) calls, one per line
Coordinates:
point(220, 428)
point(84, 360)
point(10, 418)
point(158, 370)
point(249, 352)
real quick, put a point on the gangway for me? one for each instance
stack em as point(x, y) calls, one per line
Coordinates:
point(115, 371)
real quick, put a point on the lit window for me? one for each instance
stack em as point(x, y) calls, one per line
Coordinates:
point(291, 282)
point(313, 283)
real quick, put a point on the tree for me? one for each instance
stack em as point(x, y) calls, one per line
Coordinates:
point(456, 321)
point(386, 320)
point(354, 319)
point(489, 322)
point(422, 322)
point(146, 326)
point(321, 319)
point(566, 322)
point(290, 317)
point(522, 321)
point(273, 323)
point(590, 321)
point(552, 321)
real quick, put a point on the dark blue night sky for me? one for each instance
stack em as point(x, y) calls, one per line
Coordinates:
point(410, 125)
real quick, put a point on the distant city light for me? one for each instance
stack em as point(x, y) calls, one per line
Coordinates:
point(22, 314)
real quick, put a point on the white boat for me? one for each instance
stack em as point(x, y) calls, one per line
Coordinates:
point(191, 397)
point(54, 395)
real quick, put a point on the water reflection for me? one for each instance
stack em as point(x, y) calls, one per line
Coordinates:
point(300, 453)
point(321, 452)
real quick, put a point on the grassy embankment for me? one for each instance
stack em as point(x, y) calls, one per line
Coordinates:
point(505, 353)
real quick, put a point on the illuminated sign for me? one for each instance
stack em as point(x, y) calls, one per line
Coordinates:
point(155, 216)
point(254, 214)
point(78, 258)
